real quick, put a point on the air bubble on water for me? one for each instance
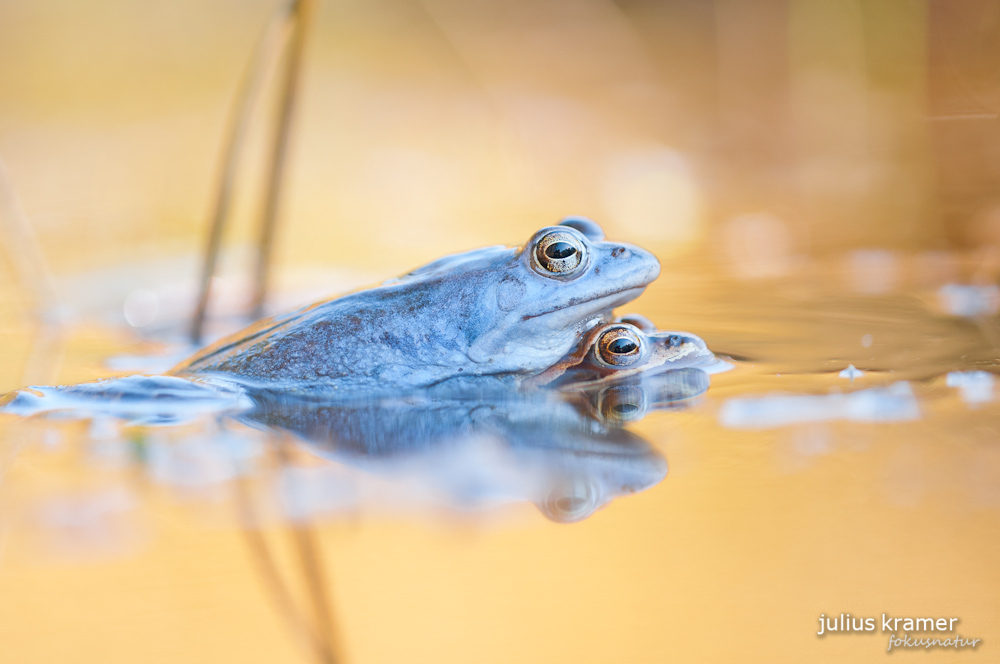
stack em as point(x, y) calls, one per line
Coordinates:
point(852, 372)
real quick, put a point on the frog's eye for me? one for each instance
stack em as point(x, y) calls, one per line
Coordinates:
point(559, 254)
point(619, 346)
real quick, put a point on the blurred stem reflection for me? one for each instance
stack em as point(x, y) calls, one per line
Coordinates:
point(317, 629)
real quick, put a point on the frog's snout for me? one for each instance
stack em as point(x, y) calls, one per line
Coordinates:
point(694, 340)
point(684, 339)
point(645, 264)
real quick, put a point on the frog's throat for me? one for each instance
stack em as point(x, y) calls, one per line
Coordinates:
point(567, 362)
point(568, 320)
point(596, 305)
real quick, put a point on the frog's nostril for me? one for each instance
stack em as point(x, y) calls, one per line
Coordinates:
point(619, 251)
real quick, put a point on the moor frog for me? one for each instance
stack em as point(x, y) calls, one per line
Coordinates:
point(496, 310)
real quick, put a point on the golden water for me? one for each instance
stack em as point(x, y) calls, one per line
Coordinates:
point(753, 534)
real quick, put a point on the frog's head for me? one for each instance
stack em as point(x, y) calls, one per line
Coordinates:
point(612, 351)
point(537, 299)
point(622, 348)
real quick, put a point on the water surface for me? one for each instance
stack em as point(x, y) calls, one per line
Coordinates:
point(533, 529)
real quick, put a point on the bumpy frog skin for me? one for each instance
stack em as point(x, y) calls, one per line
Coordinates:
point(613, 351)
point(488, 311)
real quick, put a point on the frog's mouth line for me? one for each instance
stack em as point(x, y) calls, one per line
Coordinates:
point(597, 304)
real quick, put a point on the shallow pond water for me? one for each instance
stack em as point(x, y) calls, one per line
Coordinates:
point(847, 464)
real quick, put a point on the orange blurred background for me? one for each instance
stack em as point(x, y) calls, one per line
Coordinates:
point(434, 126)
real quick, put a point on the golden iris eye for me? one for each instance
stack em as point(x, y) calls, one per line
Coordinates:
point(619, 346)
point(559, 254)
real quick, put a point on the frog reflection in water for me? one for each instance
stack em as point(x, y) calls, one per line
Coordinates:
point(567, 454)
point(497, 310)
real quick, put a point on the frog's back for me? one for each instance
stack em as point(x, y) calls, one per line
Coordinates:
point(387, 335)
